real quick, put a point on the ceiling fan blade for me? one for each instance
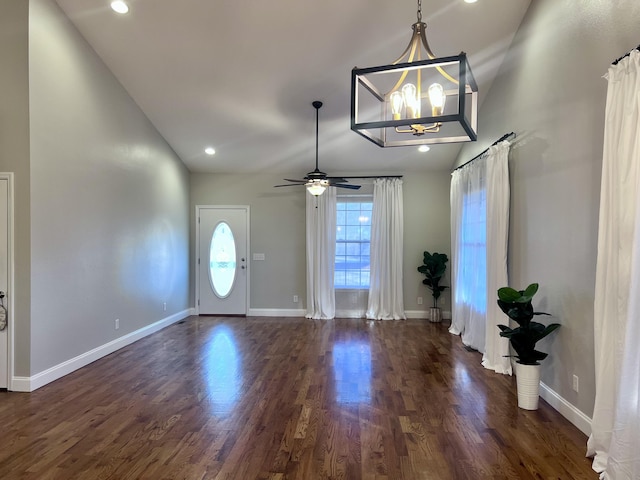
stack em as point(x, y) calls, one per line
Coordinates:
point(290, 185)
point(337, 180)
point(295, 181)
point(340, 185)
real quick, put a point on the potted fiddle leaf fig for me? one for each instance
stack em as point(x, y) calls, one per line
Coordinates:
point(516, 304)
point(433, 268)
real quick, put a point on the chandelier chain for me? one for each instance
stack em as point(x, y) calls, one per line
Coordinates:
point(419, 11)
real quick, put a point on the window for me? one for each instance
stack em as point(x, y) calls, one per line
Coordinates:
point(353, 241)
point(222, 260)
point(472, 264)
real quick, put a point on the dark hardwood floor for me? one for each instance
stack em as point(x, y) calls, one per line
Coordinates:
point(275, 399)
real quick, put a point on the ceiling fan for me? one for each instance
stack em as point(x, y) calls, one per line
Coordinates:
point(317, 181)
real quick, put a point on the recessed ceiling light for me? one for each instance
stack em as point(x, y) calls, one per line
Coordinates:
point(210, 151)
point(119, 6)
point(470, 1)
point(423, 148)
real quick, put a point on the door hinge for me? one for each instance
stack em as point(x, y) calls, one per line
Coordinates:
point(198, 219)
point(198, 261)
point(198, 302)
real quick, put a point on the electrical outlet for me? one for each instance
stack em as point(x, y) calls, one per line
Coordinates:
point(164, 306)
point(575, 383)
point(419, 301)
point(295, 299)
point(117, 323)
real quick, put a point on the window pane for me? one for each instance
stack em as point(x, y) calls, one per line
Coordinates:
point(353, 232)
point(353, 278)
point(365, 218)
point(353, 218)
point(353, 248)
point(222, 260)
point(353, 224)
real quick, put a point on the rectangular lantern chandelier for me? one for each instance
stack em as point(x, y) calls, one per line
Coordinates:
point(418, 99)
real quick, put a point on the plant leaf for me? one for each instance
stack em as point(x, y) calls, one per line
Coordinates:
point(508, 294)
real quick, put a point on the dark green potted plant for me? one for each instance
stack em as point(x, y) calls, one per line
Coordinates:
point(433, 268)
point(516, 304)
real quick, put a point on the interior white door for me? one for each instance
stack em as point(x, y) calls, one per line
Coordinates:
point(4, 278)
point(222, 260)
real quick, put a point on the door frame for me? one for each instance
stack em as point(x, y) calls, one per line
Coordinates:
point(10, 293)
point(196, 263)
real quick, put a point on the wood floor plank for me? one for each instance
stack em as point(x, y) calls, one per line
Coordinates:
point(215, 398)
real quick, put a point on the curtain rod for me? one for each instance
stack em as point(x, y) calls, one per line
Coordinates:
point(501, 139)
point(615, 62)
point(373, 176)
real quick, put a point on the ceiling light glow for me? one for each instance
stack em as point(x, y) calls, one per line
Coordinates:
point(210, 151)
point(424, 148)
point(470, 1)
point(119, 6)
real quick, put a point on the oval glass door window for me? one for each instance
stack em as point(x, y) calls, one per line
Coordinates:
point(222, 260)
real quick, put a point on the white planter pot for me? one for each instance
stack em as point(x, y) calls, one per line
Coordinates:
point(435, 314)
point(528, 380)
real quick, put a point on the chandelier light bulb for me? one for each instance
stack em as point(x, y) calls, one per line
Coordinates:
point(396, 104)
point(411, 100)
point(437, 98)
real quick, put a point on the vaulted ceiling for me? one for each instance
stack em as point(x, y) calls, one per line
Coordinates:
point(240, 75)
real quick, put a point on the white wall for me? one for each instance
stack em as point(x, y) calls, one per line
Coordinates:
point(550, 91)
point(14, 157)
point(109, 202)
point(278, 231)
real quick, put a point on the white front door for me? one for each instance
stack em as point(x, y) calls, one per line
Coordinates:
point(223, 246)
point(4, 278)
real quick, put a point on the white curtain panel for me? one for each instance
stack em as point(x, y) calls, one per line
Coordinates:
point(321, 254)
point(497, 347)
point(615, 438)
point(468, 236)
point(387, 224)
point(479, 238)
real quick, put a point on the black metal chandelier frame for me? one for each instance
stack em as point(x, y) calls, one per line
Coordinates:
point(371, 114)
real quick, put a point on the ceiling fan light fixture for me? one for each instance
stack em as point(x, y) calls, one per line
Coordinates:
point(317, 187)
point(403, 103)
point(317, 182)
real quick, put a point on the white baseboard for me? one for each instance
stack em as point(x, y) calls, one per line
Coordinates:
point(29, 384)
point(566, 409)
point(350, 314)
point(446, 315)
point(279, 312)
point(20, 384)
point(276, 312)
